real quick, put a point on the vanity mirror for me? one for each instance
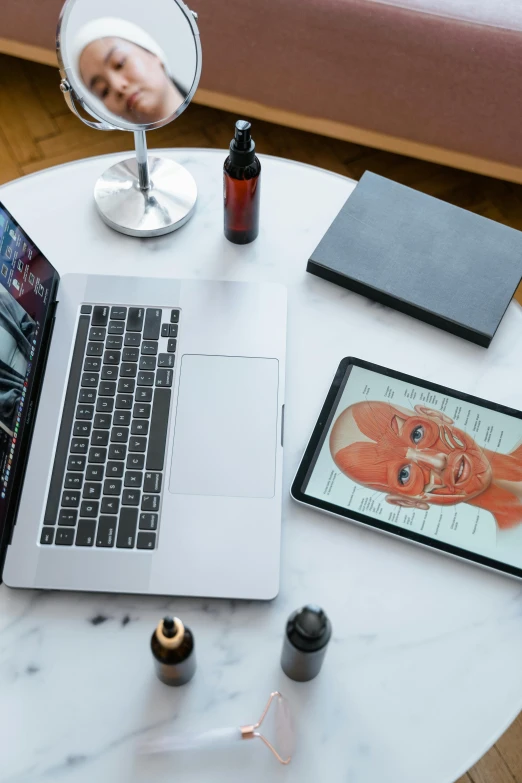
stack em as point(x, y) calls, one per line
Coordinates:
point(133, 65)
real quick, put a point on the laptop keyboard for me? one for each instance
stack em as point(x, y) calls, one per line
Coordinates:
point(108, 475)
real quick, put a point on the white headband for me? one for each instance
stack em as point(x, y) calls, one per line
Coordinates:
point(111, 27)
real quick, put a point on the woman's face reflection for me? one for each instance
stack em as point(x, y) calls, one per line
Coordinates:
point(130, 81)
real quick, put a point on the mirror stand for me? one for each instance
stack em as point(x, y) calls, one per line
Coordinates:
point(145, 196)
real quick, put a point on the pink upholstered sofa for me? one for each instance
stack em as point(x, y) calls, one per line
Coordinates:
point(436, 79)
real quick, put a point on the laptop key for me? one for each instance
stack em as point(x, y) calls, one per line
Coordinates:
point(119, 435)
point(148, 521)
point(132, 339)
point(112, 357)
point(47, 536)
point(174, 317)
point(109, 372)
point(126, 385)
point(173, 330)
point(165, 330)
point(90, 379)
point(110, 504)
point(148, 363)
point(166, 360)
point(70, 499)
point(135, 319)
point(114, 342)
point(82, 428)
point(152, 482)
point(150, 502)
point(112, 487)
point(127, 524)
point(94, 349)
point(145, 378)
point(118, 313)
point(135, 461)
point(102, 421)
point(116, 327)
point(130, 354)
point(164, 377)
point(73, 481)
point(114, 469)
point(92, 364)
point(107, 388)
point(100, 438)
point(151, 330)
point(140, 427)
point(87, 395)
point(85, 532)
point(117, 451)
point(67, 518)
point(105, 405)
point(97, 333)
point(137, 443)
point(149, 348)
point(64, 536)
point(133, 478)
point(128, 370)
point(85, 412)
point(76, 463)
point(141, 410)
point(79, 445)
point(106, 533)
point(97, 455)
point(86, 309)
point(131, 497)
point(91, 490)
point(146, 541)
point(143, 394)
point(171, 345)
point(122, 418)
point(158, 429)
point(94, 473)
point(100, 316)
point(89, 508)
point(124, 401)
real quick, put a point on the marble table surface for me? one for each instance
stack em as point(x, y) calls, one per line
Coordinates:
point(423, 673)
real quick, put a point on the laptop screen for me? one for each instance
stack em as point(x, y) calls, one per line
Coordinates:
point(27, 291)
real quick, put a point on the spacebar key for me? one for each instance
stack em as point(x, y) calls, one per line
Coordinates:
point(158, 429)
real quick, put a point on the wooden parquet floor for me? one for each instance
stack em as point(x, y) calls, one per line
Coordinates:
point(37, 130)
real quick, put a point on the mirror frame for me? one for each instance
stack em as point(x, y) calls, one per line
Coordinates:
point(69, 84)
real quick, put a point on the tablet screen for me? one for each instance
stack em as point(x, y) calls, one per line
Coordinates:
point(422, 461)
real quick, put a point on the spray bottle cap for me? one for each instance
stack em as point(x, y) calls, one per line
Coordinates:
point(242, 146)
point(309, 629)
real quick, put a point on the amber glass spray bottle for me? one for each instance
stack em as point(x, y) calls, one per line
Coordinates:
point(242, 187)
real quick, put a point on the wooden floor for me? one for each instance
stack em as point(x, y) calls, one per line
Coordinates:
point(37, 130)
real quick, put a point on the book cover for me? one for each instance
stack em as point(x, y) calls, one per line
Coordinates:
point(442, 264)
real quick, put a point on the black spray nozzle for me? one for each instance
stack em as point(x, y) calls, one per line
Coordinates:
point(169, 627)
point(242, 135)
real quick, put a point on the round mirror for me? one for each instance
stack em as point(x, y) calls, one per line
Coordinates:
point(133, 64)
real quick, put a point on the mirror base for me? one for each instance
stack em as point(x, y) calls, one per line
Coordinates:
point(166, 206)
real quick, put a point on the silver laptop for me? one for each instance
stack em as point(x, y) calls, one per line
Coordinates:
point(141, 430)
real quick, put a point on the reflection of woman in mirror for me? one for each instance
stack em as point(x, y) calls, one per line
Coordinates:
point(127, 71)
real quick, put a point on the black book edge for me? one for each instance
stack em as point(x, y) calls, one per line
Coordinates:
point(395, 303)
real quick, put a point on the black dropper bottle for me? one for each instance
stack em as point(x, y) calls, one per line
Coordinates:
point(241, 187)
point(172, 646)
point(308, 632)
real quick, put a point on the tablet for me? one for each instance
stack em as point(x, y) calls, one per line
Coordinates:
point(418, 460)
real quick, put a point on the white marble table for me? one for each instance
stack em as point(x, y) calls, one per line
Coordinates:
point(423, 673)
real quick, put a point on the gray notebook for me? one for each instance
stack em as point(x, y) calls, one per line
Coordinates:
point(442, 264)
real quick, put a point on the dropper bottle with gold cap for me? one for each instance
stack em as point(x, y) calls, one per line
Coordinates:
point(172, 646)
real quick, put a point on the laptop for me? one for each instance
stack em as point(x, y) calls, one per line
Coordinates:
point(141, 430)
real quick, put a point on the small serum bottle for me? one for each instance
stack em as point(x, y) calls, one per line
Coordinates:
point(307, 634)
point(172, 646)
point(241, 187)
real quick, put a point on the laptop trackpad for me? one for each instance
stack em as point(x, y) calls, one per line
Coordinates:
point(225, 436)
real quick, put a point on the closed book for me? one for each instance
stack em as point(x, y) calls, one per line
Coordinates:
point(439, 263)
